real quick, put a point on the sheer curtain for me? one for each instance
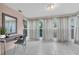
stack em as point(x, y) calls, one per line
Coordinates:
point(33, 30)
point(48, 29)
point(77, 30)
point(55, 26)
point(64, 29)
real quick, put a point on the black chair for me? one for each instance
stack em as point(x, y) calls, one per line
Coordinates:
point(21, 41)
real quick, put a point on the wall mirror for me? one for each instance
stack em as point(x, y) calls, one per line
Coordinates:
point(9, 23)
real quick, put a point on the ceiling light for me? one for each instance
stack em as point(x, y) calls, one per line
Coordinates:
point(50, 6)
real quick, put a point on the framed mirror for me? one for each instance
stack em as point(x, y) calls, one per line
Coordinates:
point(9, 23)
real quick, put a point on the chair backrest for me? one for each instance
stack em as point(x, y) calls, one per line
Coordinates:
point(24, 34)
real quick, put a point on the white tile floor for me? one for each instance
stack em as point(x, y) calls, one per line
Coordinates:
point(47, 48)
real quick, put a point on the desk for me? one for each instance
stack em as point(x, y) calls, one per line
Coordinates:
point(8, 39)
point(2, 40)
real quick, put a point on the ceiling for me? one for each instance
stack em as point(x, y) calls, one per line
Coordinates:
point(39, 9)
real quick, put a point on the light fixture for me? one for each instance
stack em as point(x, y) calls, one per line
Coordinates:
point(50, 6)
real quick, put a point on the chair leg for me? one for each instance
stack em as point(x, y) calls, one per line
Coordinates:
point(23, 47)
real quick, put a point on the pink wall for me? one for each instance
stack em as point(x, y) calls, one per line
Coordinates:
point(9, 11)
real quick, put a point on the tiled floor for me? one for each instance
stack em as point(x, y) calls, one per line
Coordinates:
point(46, 48)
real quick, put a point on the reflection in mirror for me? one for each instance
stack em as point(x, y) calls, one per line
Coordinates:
point(9, 23)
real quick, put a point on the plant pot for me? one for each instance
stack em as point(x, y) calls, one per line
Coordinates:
point(2, 36)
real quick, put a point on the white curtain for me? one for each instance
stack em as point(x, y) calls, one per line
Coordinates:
point(33, 30)
point(48, 29)
point(64, 29)
point(77, 30)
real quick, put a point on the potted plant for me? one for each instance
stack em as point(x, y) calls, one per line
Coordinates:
point(2, 32)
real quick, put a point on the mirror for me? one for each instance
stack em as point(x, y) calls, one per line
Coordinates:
point(9, 23)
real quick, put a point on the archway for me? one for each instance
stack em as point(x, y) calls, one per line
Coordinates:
point(40, 29)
